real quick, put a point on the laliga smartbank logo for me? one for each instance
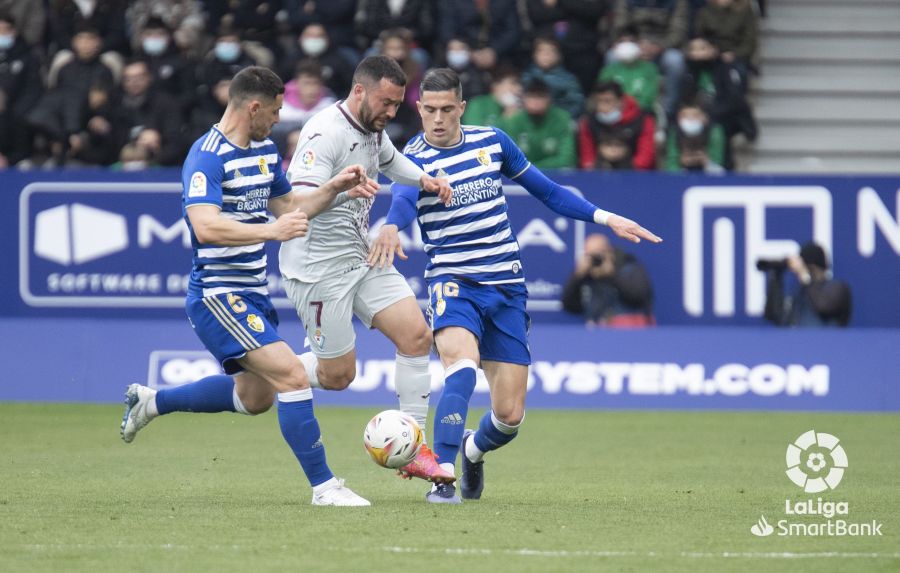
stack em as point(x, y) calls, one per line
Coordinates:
point(816, 462)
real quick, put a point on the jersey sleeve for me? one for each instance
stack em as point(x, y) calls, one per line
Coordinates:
point(314, 160)
point(280, 184)
point(514, 161)
point(397, 166)
point(201, 179)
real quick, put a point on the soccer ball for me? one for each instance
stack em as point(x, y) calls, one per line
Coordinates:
point(392, 438)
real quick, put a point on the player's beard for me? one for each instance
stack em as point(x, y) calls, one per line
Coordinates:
point(366, 117)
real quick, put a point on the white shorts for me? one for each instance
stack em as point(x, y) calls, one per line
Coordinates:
point(327, 307)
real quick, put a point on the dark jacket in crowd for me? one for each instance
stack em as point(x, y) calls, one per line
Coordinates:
point(497, 29)
point(20, 89)
point(663, 21)
point(623, 299)
point(337, 70)
point(336, 15)
point(154, 110)
point(417, 16)
point(718, 88)
point(64, 19)
point(820, 303)
point(575, 23)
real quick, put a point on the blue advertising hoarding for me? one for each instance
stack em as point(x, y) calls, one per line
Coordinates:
point(93, 243)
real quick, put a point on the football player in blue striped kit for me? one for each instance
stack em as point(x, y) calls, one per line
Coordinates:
point(474, 274)
point(232, 179)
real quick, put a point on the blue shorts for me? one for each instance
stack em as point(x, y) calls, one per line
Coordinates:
point(232, 324)
point(495, 314)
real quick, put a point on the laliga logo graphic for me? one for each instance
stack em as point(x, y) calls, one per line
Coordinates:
point(816, 461)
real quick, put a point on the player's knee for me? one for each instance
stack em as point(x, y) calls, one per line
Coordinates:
point(337, 378)
point(418, 342)
point(512, 415)
point(291, 377)
point(257, 405)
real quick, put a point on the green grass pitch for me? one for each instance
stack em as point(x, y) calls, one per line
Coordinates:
point(577, 491)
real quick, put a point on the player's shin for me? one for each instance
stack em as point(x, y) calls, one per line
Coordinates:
point(413, 382)
point(211, 394)
point(452, 409)
point(301, 431)
point(491, 434)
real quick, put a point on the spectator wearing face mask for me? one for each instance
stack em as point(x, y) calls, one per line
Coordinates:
point(183, 19)
point(458, 57)
point(133, 157)
point(613, 114)
point(314, 44)
point(638, 77)
point(20, 89)
point(542, 130)
point(228, 56)
point(504, 99)
point(172, 73)
point(547, 66)
point(694, 142)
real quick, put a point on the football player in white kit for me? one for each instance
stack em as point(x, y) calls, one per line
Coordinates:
point(326, 274)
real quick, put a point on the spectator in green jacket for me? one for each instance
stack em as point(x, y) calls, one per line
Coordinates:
point(547, 66)
point(502, 102)
point(543, 131)
point(638, 77)
point(694, 142)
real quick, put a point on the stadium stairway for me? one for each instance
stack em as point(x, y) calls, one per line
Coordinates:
point(828, 97)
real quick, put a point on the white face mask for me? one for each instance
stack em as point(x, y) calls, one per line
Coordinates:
point(609, 117)
point(626, 52)
point(690, 126)
point(155, 46)
point(458, 59)
point(228, 51)
point(134, 165)
point(6, 41)
point(314, 46)
point(508, 99)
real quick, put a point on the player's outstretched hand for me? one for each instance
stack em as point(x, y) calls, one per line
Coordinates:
point(381, 253)
point(289, 226)
point(365, 190)
point(348, 178)
point(628, 229)
point(437, 185)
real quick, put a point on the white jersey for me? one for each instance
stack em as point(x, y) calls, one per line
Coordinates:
point(337, 239)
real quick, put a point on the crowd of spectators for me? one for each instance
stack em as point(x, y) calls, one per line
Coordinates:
point(591, 84)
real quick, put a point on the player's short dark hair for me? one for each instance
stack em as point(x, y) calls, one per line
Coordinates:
point(376, 68)
point(255, 82)
point(441, 80)
point(537, 87)
point(607, 87)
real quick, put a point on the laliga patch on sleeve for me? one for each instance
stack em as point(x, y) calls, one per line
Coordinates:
point(307, 159)
point(198, 185)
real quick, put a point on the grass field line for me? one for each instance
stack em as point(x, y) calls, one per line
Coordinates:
point(482, 551)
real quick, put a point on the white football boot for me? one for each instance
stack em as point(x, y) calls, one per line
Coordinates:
point(137, 414)
point(338, 494)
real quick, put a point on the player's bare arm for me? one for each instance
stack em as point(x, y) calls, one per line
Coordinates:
point(351, 179)
point(211, 228)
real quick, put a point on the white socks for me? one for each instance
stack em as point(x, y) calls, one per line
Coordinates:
point(413, 383)
point(238, 405)
point(310, 363)
point(472, 452)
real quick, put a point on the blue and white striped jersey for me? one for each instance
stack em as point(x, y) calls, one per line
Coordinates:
point(472, 236)
point(239, 182)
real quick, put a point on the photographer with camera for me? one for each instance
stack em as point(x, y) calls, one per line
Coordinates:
point(609, 287)
point(818, 301)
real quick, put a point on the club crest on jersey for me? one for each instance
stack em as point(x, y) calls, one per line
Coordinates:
point(319, 339)
point(198, 185)
point(516, 268)
point(440, 306)
point(308, 159)
point(263, 166)
point(255, 323)
point(483, 157)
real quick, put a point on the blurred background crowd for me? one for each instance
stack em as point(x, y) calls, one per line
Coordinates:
point(586, 84)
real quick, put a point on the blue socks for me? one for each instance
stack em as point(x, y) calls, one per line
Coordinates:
point(452, 409)
point(492, 433)
point(209, 395)
point(301, 431)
